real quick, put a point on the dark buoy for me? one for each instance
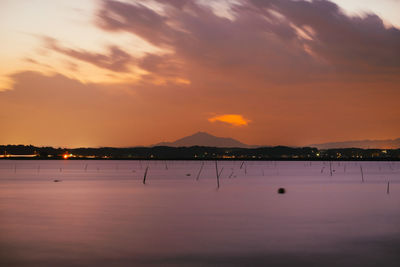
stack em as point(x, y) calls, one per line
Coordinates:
point(188, 174)
point(56, 181)
point(281, 190)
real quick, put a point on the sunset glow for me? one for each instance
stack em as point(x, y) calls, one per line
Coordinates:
point(288, 72)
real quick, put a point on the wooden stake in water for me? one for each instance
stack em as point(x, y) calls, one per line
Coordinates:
point(362, 174)
point(241, 165)
point(201, 168)
point(166, 166)
point(86, 168)
point(388, 186)
point(220, 172)
point(216, 170)
point(145, 175)
point(330, 168)
point(245, 169)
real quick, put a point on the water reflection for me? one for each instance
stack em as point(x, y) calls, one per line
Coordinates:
point(109, 217)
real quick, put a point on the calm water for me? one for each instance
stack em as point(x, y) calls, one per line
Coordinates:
point(101, 214)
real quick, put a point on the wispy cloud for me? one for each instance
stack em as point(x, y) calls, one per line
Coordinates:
point(116, 60)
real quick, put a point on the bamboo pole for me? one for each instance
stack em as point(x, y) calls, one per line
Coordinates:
point(201, 168)
point(216, 170)
point(145, 175)
point(362, 174)
point(219, 174)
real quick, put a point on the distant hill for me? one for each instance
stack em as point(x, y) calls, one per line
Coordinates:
point(204, 139)
point(388, 144)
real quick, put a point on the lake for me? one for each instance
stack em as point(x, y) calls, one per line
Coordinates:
point(99, 213)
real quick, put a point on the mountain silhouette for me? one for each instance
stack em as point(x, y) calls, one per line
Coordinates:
point(204, 139)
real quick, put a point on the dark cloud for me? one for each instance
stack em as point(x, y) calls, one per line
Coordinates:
point(117, 60)
point(118, 16)
point(265, 39)
point(166, 67)
point(352, 43)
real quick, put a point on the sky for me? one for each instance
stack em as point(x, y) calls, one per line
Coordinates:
point(135, 73)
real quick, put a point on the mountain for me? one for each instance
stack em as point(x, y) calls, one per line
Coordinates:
point(204, 139)
point(380, 144)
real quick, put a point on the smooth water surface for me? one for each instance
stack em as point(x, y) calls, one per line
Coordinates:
point(100, 213)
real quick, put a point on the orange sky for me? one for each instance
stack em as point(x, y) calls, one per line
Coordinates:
point(126, 73)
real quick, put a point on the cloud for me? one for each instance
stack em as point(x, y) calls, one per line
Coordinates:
point(232, 119)
point(271, 41)
point(116, 60)
point(136, 18)
point(351, 43)
point(266, 43)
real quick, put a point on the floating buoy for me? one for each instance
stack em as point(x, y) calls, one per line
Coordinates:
point(56, 181)
point(188, 174)
point(281, 190)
